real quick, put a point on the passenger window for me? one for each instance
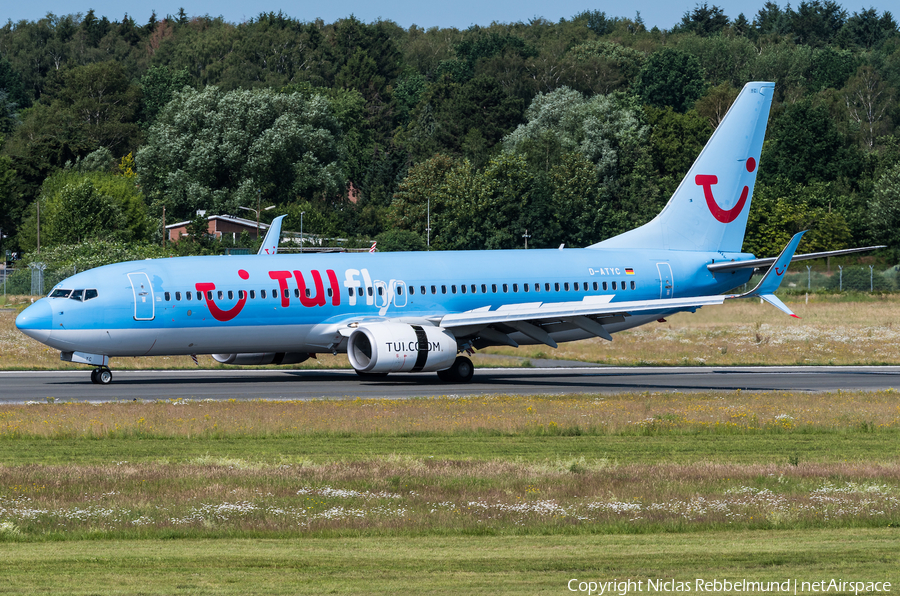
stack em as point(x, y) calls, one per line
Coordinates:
point(566, 286)
point(221, 295)
point(433, 290)
point(199, 296)
point(623, 285)
point(178, 296)
point(595, 286)
point(422, 289)
point(230, 295)
point(443, 289)
point(632, 285)
point(505, 288)
point(380, 291)
point(525, 287)
point(453, 288)
point(556, 286)
point(515, 287)
point(576, 286)
point(307, 292)
point(330, 293)
point(262, 293)
point(537, 287)
point(168, 296)
point(412, 290)
point(76, 295)
point(614, 285)
point(287, 293)
point(400, 290)
point(463, 288)
point(253, 294)
point(88, 294)
point(240, 294)
point(547, 287)
point(473, 289)
point(494, 288)
point(604, 286)
point(187, 295)
point(484, 288)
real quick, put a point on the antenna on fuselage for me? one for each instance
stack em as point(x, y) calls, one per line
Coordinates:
point(273, 236)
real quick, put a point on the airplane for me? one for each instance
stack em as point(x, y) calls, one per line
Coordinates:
point(424, 311)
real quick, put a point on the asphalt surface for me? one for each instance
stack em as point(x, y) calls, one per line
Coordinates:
point(19, 387)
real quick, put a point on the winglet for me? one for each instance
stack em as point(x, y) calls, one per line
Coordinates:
point(770, 282)
point(273, 236)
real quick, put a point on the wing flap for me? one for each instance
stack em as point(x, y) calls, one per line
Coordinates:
point(555, 311)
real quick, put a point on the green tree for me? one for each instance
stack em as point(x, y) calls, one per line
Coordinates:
point(704, 20)
point(399, 240)
point(158, 86)
point(884, 209)
point(215, 150)
point(804, 146)
point(671, 78)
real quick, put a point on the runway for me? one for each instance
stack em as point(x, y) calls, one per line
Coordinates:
point(24, 386)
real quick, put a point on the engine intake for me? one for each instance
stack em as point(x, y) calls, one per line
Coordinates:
point(399, 347)
point(259, 358)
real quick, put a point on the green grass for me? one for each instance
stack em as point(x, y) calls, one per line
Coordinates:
point(441, 564)
point(821, 447)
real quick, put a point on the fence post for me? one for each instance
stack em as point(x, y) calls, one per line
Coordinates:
point(841, 278)
point(871, 278)
point(808, 277)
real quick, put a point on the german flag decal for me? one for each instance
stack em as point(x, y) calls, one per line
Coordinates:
point(629, 271)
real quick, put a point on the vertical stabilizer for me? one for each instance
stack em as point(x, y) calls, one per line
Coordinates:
point(273, 236)
point(708, 211)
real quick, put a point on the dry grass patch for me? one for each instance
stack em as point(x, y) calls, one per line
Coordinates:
point(639, 414)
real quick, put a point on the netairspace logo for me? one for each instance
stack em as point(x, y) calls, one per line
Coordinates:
point(724, 586)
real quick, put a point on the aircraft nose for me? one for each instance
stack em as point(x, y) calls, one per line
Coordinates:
point(36, 321)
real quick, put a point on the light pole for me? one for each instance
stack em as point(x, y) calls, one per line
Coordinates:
point(256, 211)
point(428, 225)
point(526, 236)
point(301, 230)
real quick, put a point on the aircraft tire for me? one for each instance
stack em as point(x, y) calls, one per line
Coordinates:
point(94, 376)
point(461, 371)
point(104, 376)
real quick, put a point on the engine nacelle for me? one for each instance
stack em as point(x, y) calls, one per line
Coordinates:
point(399, 347)
point(259, 358)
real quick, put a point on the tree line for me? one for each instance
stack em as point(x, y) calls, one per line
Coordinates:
point(573, 130)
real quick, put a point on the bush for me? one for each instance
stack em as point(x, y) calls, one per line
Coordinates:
point(860, 279)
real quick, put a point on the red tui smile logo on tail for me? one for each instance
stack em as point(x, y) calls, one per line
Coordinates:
point(723, 215)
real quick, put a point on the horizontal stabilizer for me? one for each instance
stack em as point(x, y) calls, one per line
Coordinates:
point(763, 263)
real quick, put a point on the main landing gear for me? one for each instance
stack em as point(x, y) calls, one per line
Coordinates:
point(101, 376)
point(460, 371)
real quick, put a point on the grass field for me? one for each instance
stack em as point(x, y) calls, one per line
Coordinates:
point(486, 495)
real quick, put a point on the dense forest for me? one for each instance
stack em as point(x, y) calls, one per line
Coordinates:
point(573, 130)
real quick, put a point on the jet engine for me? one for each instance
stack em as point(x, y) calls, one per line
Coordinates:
point(399, 347)
point(258, 358)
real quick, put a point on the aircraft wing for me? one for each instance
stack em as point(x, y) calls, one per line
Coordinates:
point(588, 314)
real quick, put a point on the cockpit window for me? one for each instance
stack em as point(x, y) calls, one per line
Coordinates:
point(88, 294)
point(76, 295)
point(60, 293)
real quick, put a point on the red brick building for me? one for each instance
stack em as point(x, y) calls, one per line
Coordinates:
point(218, 225)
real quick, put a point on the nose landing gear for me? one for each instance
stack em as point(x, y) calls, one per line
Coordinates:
point(101, 376)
